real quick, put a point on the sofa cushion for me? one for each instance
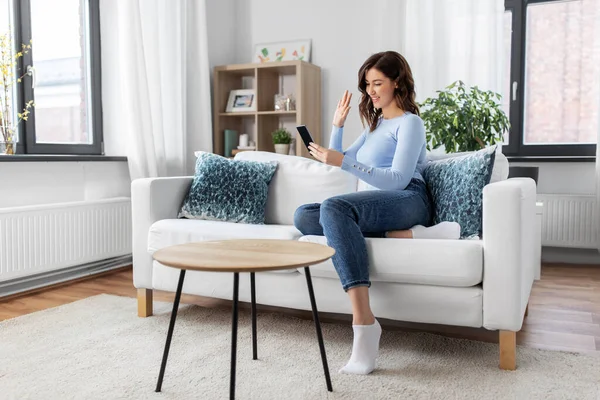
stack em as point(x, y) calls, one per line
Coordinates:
point(169, 232)
point(297, 181)
point(457, 263)
point(228, 190)
point(456, 186)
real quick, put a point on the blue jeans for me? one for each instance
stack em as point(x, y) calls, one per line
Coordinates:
point(347, 219)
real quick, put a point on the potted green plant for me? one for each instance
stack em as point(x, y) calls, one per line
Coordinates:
point(463, 119)
point(282, 139)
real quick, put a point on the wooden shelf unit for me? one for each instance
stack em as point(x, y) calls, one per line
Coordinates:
point(266, 79)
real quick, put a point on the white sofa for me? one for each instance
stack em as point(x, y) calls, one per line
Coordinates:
point(474, 283)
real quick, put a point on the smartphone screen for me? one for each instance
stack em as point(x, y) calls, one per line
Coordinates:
point(305, 135)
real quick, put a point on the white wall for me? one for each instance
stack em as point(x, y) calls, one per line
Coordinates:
point(29, 183)
point(222, 31)
point(565, 177)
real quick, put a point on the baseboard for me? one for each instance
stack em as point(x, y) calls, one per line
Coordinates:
point(29, 283)
point(565, 255)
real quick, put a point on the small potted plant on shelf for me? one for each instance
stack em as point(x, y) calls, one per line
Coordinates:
point(282, 139)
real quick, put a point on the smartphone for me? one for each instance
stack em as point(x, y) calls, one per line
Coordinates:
point(305, 135)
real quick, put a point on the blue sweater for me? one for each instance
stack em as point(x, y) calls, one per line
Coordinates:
point(390, 156)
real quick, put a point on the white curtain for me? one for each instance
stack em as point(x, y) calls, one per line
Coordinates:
point(597, 221)
point(595, 40)
point(445, 40)
point(164, 85)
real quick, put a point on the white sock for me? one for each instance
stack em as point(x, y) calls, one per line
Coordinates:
point(365, 349)
point(443, 230)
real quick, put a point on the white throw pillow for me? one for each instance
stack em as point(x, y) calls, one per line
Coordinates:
point(297, 181)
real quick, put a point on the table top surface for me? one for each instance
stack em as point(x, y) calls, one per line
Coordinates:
point(243, 255)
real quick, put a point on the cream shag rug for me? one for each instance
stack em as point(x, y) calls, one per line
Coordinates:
point(98, 348)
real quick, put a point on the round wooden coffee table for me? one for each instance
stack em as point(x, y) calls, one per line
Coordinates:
point(237, 256)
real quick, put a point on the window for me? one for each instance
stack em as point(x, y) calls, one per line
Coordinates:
point(552, 54)
point(508, 16)
point(65, 81)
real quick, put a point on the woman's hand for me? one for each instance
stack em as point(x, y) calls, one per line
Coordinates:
point(341, 112)
point(327, 156)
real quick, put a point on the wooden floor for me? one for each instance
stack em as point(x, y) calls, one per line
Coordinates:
point(564, 308)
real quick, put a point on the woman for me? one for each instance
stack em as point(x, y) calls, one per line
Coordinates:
point(389, 157)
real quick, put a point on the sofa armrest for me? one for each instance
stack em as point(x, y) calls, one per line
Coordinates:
point(152, 199)
point(508, 251)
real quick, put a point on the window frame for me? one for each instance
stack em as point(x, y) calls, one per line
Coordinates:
point(516, 147)
point(26, 132)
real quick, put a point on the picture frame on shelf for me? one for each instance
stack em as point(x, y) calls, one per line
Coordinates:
point(282, 51)
point(241, 100)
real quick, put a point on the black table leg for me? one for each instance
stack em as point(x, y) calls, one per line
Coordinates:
point(253, 296)
point(313, 303)
point(234, 326)
point(170, 332)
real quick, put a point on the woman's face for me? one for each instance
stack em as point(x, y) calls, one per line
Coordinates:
point(380, 88)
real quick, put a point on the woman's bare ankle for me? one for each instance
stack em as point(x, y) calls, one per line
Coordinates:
point(361, 310)
point(406, 234)
point(363, 320)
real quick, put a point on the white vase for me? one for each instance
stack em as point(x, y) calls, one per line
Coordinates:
point(282, 148)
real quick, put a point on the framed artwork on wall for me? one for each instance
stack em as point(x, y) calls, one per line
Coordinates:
point(282, 51)
point(241, 100)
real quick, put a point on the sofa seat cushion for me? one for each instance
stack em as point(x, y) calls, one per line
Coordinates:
point(457, 263)
point(169, 232)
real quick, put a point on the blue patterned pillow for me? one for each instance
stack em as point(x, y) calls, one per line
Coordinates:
point(456, 185)
point(228, 190)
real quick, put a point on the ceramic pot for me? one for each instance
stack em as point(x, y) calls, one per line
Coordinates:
point(282, 148)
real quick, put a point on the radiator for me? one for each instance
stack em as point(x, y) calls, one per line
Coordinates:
point(43, 238)
point(569, 221)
